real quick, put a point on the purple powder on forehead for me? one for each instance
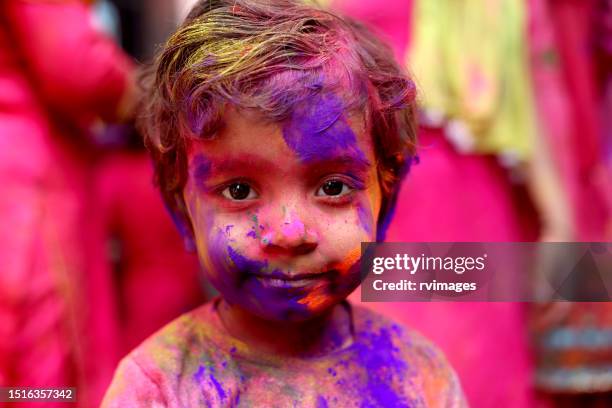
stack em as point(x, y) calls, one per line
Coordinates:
point(321, 402)
point(318, 130)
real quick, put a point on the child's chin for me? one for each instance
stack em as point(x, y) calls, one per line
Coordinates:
point(300, 303)
point(295, 314)
point(292, 311)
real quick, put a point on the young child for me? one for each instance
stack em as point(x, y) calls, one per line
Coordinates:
point(280, 134)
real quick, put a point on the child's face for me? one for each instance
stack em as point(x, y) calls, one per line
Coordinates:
point(279, 210)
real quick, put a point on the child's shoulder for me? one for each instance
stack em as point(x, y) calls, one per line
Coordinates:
point(393, 346)
point(182, 334)
point(152, 371)
point(380, 330)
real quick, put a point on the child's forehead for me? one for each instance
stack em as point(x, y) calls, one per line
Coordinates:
point(312, 131)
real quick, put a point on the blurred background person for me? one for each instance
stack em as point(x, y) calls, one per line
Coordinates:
point(570, 40)
point(79, 277)
point(139, 247)
point(58, 76)
point(131, 217)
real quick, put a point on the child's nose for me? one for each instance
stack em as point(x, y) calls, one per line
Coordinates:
point(290, 236)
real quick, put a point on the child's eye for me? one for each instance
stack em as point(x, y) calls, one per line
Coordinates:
point(239, 191)
point(334, 188)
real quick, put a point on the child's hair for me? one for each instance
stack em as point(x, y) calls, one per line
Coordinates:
point(268, 56)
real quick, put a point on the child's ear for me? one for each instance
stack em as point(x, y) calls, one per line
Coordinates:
point(182, 222)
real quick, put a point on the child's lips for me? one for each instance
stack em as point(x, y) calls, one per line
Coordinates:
point(283, 280)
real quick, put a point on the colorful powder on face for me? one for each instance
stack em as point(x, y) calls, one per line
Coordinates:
point(317, 130)
point(244, 264)
point(383, 224)
point(254, 233)
point(283, 305)
point(180, 225)
point(200, 169)
point(313, 300)
point(350, 260)
point(280, 303)
point(321, 402)
point(365, 219)
point(294, 228)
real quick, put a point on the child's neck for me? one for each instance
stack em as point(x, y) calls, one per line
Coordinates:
point(314, 337)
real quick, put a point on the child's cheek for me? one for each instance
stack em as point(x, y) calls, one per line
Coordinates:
point(228, 247)
point(343, 236)
point(252, 229)
point(219, 255)
point(365, 218)
point(211, 236)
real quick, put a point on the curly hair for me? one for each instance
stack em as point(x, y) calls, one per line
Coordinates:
point(268, 56)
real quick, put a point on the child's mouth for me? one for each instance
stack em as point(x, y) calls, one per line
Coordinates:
point(279, 280)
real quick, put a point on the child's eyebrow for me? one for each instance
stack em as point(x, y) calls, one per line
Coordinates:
point(254, 163)
point(354, 162)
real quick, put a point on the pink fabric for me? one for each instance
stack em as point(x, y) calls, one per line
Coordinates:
point(552, 99)
point(559, 98)
point(56, 74)
point(389, 20)
point(573, 23)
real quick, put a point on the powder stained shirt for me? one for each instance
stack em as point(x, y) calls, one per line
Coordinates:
point(195, 362)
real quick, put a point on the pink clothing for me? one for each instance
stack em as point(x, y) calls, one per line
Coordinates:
point(56, 74)
point(390, 22)
point(565, 90)
point(194, 362)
